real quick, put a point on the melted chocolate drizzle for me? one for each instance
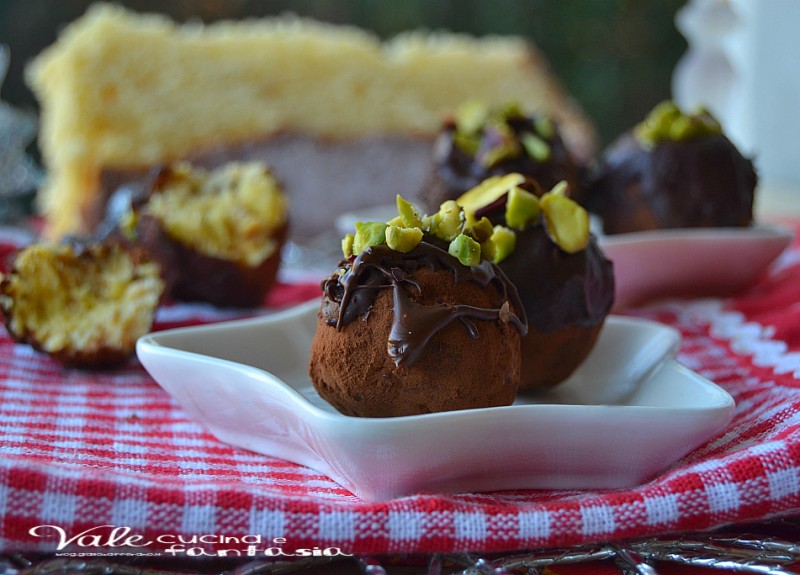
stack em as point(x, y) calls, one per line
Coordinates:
point(414, 324)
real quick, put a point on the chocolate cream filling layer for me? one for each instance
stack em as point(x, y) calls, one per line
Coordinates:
point(322, 177)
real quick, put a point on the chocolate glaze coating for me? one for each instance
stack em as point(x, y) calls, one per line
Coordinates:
point(402, 334)
point(566, 299)
point(701, 182)
point(454, 171)
point(559, 289)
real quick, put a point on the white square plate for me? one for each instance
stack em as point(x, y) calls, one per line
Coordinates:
point(628, 412)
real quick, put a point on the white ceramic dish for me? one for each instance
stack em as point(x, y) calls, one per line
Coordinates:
point(690, 262)
point(627, 413)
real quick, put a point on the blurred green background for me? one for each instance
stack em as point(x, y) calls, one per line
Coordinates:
point(614, 56)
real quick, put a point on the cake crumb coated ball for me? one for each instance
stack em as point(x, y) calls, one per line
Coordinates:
point(673, 170)
point(480, 142)
point(85, 306)
point(564, 281)
point(416, 321)
point(217, 234)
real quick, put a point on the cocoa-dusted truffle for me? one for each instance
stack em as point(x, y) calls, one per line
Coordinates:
point(480, 142)
point(83, 305)
point(416, 322)
point(674, 170)
point(217, 234)
point(564, 281)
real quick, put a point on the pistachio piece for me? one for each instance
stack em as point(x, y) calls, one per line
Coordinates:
point(685, 128)
point(402, 239)
point(566, 222)
point(560, 189)
point(522, 208)
point(447, 223)
point(656, 125)
point(368, 234)
point(667, 122)
point(710, 123)
point(397, 221)
point(544, 127)
point(500, 244)
point(409, 214)
point(535, 147)
point(471, 116)
point(347, 245)
point(466, 250)
point(479, 230)
point(488, 191)
point(499, 143)
point(467, 143)
point(511, 110)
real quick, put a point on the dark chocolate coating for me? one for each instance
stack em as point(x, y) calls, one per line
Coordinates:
point(559, 289)
point(379, 267)
point(700, 182)
point(453, 171)
point(566, 298)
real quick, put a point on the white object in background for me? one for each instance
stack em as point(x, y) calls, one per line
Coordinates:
point(743, 62)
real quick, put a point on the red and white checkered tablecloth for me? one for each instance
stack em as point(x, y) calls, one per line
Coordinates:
point(88, 451)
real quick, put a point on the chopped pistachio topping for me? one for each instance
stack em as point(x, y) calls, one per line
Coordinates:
point(396, 221)
point(536, 147)
point(447, 223)
point(566, 222)
point(560, 189)
point(469, 143)
point(668, 122)
point(499, 143)
point(487, 133)
point(479, 230)
point(409, 214)
point(347, 245)
point(403, 239)
point(466, 250)
point(471, 116)
point(510, 110)
point(368, 234)
point(522, 208)
point(545, 127)
point(469, 239)
point(500, 244)
point(488, 191)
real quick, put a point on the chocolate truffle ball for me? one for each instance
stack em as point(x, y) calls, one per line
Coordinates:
point(479, 143)
point(564, 281)
point(416, 331)
point(673, 171)
point(566, 298)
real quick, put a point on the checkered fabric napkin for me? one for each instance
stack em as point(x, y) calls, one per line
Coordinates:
point(86, 449)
